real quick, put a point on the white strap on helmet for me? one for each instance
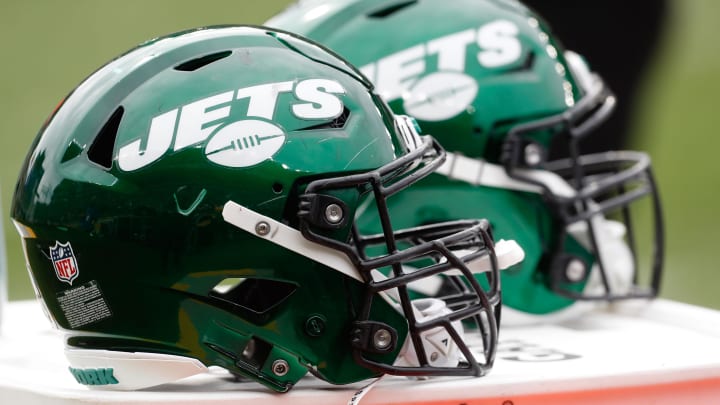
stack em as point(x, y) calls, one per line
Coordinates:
point(287, 237)
point(508, 252)
point(481, 173)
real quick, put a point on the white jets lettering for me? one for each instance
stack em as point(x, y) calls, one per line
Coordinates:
point(196, 121)
point(498, 45)
point(194, 115)
point(263, 98)
point(321, 103)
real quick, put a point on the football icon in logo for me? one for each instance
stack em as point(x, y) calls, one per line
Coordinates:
point(64, 261)
point(244, 143)
point(440, 96)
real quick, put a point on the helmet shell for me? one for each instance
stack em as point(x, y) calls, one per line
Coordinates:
point(472, 72)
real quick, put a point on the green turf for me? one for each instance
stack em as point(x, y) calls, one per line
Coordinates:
point(48, 47)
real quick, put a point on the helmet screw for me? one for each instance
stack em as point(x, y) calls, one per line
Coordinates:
point(575, 270)
point(434, 356)
point(262, 228)
point(382, 339)
point(333, 213)
point(280, 367)
point(533, 154)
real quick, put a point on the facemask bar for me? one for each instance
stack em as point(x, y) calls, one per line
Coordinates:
point(603, 182)
point(482, 308)
point(460, 295)
point(446, 246)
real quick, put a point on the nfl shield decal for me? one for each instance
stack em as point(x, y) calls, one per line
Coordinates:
point(63, 259)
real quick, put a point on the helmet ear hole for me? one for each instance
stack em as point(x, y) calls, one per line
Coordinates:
point(277, 188)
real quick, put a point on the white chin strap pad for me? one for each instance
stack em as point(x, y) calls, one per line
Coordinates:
point(440, 348)
point(507, 252)
point(612, 250)
point(111, 370)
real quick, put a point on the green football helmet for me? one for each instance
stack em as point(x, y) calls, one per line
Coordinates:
point(192, 203)
point(491, 83)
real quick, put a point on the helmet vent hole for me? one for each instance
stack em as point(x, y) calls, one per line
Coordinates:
point(387, 11)
point(101, 150)
point(254, 294)
point(337, 123)
point(340, 121)
point(527, 64)
point(197, 63)
point(277, 188)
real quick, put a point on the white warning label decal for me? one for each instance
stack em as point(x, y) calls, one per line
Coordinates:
point(83, 305)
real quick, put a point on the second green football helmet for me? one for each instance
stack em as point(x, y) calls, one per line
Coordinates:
point(491, 83)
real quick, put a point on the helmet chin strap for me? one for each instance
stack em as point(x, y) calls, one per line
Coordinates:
point(440, 348)
point(613, 251)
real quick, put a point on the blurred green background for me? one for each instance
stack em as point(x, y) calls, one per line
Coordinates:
point(47, 47)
